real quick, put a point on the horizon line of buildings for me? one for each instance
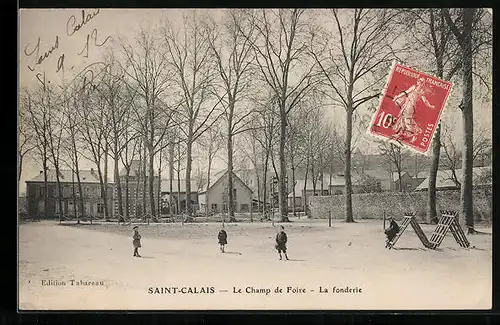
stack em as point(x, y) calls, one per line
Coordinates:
point(214, 199)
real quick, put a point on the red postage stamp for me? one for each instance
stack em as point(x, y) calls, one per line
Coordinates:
point(410, 108)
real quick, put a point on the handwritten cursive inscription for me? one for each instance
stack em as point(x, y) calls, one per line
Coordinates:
point(36, 51)
point(72, 26)
point(93, 35)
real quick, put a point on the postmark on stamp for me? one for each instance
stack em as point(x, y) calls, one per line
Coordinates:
point(410, 108)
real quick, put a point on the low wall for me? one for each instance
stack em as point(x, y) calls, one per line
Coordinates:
point(374, 205)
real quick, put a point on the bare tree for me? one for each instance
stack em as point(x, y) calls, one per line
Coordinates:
point(128, 154)
point(233, 54)
point(190, 57)
point(351, 64)
point(148, 72)
point(264, 132)
point(461, 23)
point(25, 135)
point(211, 143)
point(38, 115)
point(94, 130)
point(452, 155)
point(118, 100)
point(395, 156)
point(298, 122)
point(452, 159)
point(281, 57)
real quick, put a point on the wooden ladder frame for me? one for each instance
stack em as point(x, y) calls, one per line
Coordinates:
point(409, 219)
point(448, 221)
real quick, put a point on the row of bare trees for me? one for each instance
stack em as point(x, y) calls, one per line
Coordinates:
point(264, 78)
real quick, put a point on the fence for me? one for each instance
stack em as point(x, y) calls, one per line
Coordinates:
point(375, 205)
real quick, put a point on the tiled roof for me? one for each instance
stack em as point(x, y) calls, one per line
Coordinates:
point(67, 176)
point(443, 179)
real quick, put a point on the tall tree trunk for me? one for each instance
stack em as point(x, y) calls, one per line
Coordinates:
point(314, 178)
point(266, 163)
point(294, 213)
point(466, 201)
point(436, 148)
point(189, 162)
point(282, 170)
point(144, 183)
point(400, 181)
point(292, 163)
point(127, 192)
point(60, 193)
point(77, 172)
point(159, 188)
point(171, 150)
point(105, 196)
point(45, 189)
point(347, 170)
point(102, 184)
point(258, 192)
point(73, 189)
point(207, 199)
point(230, 196)
point(119, 197)
point(151, 184)
point(304, 195)
point(431, 200)
point(19, 169)
point(138, 177)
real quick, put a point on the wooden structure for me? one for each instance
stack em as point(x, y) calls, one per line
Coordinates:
point(409, 219)
point(448, 221)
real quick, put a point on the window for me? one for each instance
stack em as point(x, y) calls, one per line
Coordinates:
point(41, 191)
point(100, 208)
point(214, 206)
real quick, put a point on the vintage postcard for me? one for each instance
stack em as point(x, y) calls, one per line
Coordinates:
point(218, 159)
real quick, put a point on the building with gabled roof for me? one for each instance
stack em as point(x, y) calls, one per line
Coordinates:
point(216, 198)
point(93, 201)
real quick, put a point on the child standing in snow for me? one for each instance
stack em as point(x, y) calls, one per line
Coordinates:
point(281, 240)
point(222, 237)
point(136, 241)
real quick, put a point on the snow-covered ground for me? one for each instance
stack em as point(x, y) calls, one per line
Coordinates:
point(187, 256)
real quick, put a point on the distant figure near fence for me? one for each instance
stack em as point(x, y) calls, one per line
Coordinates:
point(281, 240)
point(136, 241)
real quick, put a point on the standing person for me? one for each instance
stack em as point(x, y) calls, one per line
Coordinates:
point(136, 241)
point(405, 125)
point(281, 240)
point(222, 237)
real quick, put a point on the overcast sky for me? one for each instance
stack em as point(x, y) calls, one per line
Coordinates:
point(44, 26)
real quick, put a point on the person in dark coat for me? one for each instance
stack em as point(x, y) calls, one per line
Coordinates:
point(281, 239)
point(222, 237)
point(136, 241)
point(391, 232)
